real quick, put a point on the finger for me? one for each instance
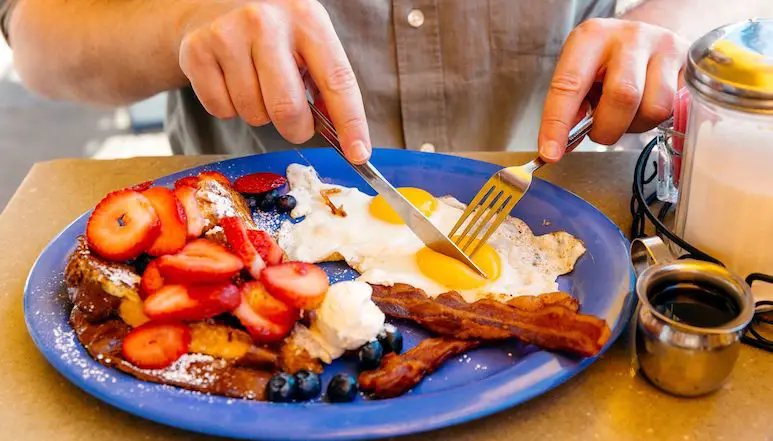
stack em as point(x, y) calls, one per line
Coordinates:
point(330, 69)
point(205, 75)
point(657, 104)
point(621, 94)
point(283, 92)
point(581, 59)
point(232, 44)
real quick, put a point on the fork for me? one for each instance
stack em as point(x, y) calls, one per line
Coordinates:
point(502, 192)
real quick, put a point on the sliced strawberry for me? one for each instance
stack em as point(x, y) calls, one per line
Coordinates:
point(260, 328)
point(188, 181)
point(256, 183)
point(268, 306)
point(174, 224)
point(187, 197)
point(141, 186)
point(200, 261)
point(236, 235)
point(301, 285)
point(156, 345)
point(191, 303)
point(122, 226)
point(151, 280)
point(266, 246)
point(216, 176)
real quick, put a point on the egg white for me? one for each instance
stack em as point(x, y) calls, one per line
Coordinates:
point(384, 253)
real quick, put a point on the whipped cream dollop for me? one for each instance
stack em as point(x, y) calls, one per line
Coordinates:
point(346, 320)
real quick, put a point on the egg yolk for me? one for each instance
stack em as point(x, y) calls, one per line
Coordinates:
point(454, 274)
point(424, 201)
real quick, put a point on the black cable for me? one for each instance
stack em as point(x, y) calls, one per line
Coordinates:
point(638, 191)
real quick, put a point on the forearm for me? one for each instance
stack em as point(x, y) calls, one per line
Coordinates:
point(101, 51)
point(692, 19)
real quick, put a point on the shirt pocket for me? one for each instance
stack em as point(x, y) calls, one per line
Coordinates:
point(528, 27)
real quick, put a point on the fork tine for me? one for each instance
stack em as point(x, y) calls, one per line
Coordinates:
point(493, 211)
point(503, 212)
point(484, 192)
point(482, 208)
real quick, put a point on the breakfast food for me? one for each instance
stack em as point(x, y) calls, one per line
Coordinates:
point(373, 240)
point(181, 287)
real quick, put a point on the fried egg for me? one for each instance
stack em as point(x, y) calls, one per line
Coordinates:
point(343, 223)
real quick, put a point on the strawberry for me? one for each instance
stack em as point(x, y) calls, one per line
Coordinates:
point(156, 345)
point(260, 328)
point(122, 226)
point(151, 280)
point(200, 261)
point(301, 285)
point(266, 246)
point(194, 302)
point(236, 236)
point(141, 186)
point(174, 224)
point(266, 305)
point(188, 181)
point(219, 177)
point(187, 197)
point(257, 183)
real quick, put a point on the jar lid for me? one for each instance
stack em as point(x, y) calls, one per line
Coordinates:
point(733, 65)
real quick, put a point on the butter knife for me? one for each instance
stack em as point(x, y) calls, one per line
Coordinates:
point(432, 237)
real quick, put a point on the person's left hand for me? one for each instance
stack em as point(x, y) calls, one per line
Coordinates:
point(639, 66)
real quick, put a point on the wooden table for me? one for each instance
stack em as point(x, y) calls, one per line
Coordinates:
point(605, 402)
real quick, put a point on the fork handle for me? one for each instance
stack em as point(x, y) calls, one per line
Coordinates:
point(580, 129)
point(576, 136)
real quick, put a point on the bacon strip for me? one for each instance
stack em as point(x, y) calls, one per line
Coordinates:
point(535, 303)
point(552, 327)
point(399, 373)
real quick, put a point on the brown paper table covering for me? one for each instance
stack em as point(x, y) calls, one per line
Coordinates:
point(604, 402)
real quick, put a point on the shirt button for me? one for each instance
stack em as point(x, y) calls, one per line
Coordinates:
point(427, 147)
point(415, 18)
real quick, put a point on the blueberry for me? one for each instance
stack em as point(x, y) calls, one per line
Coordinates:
point(281, 388)
point(309, 385)
point(391, 339)
point(285, 204)
point(370, 355)
point(268, 200)
point(252, 201)
point(342, 389)
point(141, 262)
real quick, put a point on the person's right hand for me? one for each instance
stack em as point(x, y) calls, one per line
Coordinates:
point(246, 62)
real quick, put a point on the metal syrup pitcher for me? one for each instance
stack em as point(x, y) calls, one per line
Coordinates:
point(689, 320)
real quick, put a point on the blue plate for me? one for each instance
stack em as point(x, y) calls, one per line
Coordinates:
point(479, 383)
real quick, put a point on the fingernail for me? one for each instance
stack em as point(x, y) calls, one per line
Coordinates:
point(551, 150)
point(360, 152)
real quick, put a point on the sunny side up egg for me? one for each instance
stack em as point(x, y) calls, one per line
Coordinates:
point(366, 233)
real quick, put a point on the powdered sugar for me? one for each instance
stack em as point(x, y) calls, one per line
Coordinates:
point(221, 204)
point(267, 221)
point(185, 370)
point(121, 275)
point(66, 344)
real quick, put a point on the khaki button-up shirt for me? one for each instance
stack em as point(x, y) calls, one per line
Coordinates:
point(439, 75)
point(442, 75)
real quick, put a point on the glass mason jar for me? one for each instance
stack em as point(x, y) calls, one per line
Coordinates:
point(725, 205)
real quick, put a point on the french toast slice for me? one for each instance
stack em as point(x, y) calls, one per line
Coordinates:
point(194, 371)
point(96, 286)
point(217, 200)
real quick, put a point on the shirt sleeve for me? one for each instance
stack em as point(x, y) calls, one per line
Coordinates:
point(5, 17)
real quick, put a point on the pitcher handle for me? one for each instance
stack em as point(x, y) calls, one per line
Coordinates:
point(649, 251)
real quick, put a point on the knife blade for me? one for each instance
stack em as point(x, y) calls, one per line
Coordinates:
point(421, 226)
